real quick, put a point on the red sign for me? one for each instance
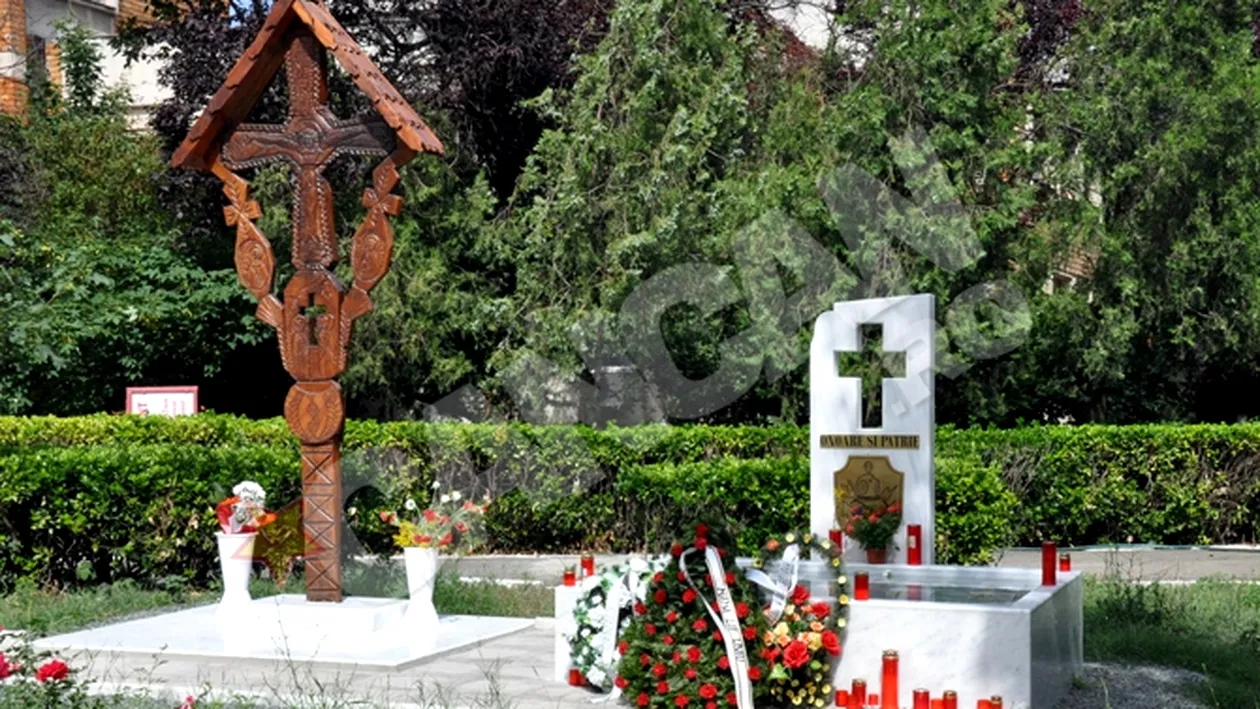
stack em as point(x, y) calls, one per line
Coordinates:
point(162, 401)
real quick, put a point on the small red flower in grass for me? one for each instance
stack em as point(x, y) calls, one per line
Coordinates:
point(708, 691)
point(643, 699)
point(53, 670)
point(6, 669)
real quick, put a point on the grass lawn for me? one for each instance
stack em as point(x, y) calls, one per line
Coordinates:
point(1211, 627)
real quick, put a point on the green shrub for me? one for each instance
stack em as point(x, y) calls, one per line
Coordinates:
point(109, 497)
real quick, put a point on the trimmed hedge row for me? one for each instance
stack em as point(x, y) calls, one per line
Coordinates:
point(109, 497)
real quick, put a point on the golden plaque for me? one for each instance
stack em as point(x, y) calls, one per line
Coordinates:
point(869, 481)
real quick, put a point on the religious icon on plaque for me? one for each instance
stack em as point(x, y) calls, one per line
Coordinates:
point(869, 481)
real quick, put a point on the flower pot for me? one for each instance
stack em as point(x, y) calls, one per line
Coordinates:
point(422, 565)
point(236, 560)
point(877, 556)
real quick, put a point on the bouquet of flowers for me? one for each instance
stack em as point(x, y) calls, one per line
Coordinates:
point(243, 512)
point(874, 528)
point(452, 525)
point(602, 614)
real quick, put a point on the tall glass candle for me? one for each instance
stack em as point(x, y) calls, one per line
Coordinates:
point(950, 699)
point(995, 702)
point(922, 699)
point(837, 537)
point(857, 694)
point(888, 680)
point(1065, 563)
point(914, 544)
point(588, 565)
point(861, 586)
point(1049, 561)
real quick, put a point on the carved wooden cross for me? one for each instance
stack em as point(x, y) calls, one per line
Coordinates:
point(316, 316)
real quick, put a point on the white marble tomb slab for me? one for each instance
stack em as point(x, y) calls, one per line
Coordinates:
point(363, 632)
point(909, 326)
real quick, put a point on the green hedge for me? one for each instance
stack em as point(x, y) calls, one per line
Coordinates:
point(109, 497)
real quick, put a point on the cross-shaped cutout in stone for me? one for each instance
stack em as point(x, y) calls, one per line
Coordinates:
point(872, 364)
point(311, 311)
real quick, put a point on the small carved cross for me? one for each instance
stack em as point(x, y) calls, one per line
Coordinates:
point(873, 365)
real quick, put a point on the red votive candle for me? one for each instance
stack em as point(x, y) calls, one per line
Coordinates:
point(984, 704)
point(1065, 563)
point(575, 677)
point(922, 699)
point(857, 694)
point(938, 703)
point(570, 577)
point(995, 702)
point(842, 698)
point(914, 545)
point(588, 565)
point(837, 537)
point(872, 700)
point(1049, 559)
point(888, 682)
point(950, 700)
point(861, 586)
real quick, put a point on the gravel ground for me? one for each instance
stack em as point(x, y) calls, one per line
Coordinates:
point(1117, 686)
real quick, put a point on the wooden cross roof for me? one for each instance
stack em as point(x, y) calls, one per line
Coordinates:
point(245, 84)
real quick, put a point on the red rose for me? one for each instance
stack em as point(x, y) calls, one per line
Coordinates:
point(701, 543)
point(800, 595)
point(688, 596)
point(676, 549)
point(681, 700)
point(754, 673)
point(682, 576)
point(640, 609)
point(730, 578)
point(831, 642)
point(690, 673)
point(724, 663)
point(710, 705)
point(622, 647)
point(741, 610)
point(708, 580)
point(702, 530)
point(693, 654)
point(621, 682)
point(700, 625)
point(645, 660)
point(796, 654)
point(662, 687)
point(659, 669)
point(668, 640)
point(717, 636)
point(770, 653)
point(708, 691)
point(677, 658)
point(54, 670)
point(874, 518)
point(659, 597)
point(673, 616)
point(649, 629)
point(659, 577)
point(643, 699)
point(750, 633)
point(820, 609)
point(732, 699)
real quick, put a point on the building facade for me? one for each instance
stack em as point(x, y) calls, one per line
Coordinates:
point(28, 47)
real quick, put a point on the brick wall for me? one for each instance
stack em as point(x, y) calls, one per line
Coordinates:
point(13, 91)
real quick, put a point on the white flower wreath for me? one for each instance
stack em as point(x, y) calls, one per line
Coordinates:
point(593, 652)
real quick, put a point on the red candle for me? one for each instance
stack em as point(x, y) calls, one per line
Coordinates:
point(1049, 557)
point(837, 537)
point(888, 683)
point(842, 698)
point(922, 699)
point(861, 586)
point(938, 703)
point(995, 702)
point(857, 695)
point(950, 700)
point(570, 577)
point(575, 677)
point(984, 704)
point(588, 565)
point(1065, 563)
point(914, 545)
point(872, 700)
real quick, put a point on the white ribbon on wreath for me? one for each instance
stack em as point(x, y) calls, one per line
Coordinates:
point(726, 619)
point(784, 581)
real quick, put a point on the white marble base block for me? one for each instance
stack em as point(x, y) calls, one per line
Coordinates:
point(360, 631)
point(1027, 650)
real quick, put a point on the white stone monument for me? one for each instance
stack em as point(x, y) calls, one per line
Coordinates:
point(905, 439)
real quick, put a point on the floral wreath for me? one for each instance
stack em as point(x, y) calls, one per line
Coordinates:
point(804, 637)
point(590, 637)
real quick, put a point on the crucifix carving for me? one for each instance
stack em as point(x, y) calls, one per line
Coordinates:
point(873, 365)
point(316, 316)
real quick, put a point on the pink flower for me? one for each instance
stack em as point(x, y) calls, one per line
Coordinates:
point(54, 670)
point(6, 669)
point(190, 702)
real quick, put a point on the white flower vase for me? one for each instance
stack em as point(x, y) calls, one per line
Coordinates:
point(236, 559)
point(422, 617)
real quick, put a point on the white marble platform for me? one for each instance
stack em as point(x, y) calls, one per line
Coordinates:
point(360, 632)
